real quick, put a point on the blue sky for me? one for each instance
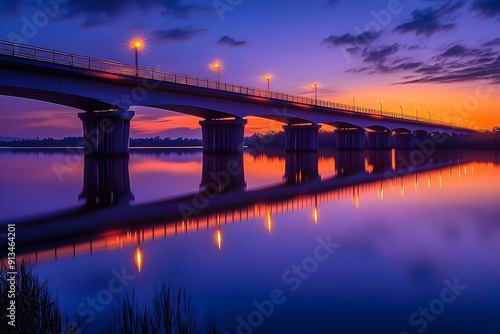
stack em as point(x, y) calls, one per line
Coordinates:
point(442, 56)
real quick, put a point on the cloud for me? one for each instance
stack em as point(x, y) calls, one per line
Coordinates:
point(489, 71)
point(332, 3)
point(350, 39)
point(379, 54)
point(230, 41)
point(98, 12)
point(178, 34)
point(488, 8)
point(493, 42)
point(430, 20)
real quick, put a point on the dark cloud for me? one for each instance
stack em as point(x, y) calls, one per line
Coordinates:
point(489, 71)
point(461, 51)
point(488, 8)
point(230, 41)
point(332, 2)
point(380, 54)
point(350, 39)
point(178, 34)
point(97, 12)
point(493, 42)
point(430, 20)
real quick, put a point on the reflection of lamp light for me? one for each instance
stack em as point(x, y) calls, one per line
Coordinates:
point(138, 258)
point(315, 212)
point(218, 234)
point(219, 238)
point(269, 221)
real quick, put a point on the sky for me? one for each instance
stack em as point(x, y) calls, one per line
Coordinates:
point(439, 56)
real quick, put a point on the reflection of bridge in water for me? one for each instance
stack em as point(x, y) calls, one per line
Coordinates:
point(107, 221)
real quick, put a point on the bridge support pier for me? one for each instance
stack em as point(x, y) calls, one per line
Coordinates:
point(106, 133)
point(378, 140)
point(350, 139)
point(301, 138)
point(403, 140)
point(223, 135)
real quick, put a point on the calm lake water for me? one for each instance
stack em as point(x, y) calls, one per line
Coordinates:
point(334, 242)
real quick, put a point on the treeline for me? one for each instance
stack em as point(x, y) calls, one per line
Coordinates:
point(78, 142)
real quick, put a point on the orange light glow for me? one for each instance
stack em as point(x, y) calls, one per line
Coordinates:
point(138, 258)
point(137, 43)
point(315, 215)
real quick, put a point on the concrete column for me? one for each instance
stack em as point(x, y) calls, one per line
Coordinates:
point(222, 173)
point(350, 139)
point(301, 138)
point(403, 140)
point(378, 161)
point(301, 167)
point(223, 136)
point(106, 181)
point(378, 140)
point(106, 133)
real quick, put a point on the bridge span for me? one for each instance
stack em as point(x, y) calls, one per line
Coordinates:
point(106, 92)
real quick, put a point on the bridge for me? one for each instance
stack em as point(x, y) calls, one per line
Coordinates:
point(106, 217)
point(106, 92)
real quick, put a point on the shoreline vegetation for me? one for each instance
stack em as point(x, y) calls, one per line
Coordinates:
point(484, 139)
point(169, 310)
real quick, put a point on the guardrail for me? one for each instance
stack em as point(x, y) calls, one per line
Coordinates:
point(108, 66)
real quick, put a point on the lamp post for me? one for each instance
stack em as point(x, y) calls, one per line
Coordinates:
point(381, 105)
point(416, 112)
point(430, 116)
point(216, 66)
point(472, 125)
point(137, 44)
point(451, 120)
point(467, 123)
point(459, 122)
point(441, 115)
point(268, 78)
point(315, 86)
point(354, 101)
point(401, 107)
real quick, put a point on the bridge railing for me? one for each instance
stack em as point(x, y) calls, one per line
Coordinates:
point(112, 67)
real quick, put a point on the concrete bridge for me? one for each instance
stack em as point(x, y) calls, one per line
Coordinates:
point(106, 92)
point(223, 197)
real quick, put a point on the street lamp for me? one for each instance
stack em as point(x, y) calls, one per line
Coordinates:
point(268, 78)
point(401, 107)
point(354, 101)
point(467, 123)
point(441, 115)
point(216, 66)
point(451, 120)
point(472, 125)
point(315, 86)
point(381, 104)
point(136, 45)
point(459, 121)
point(430, 115)
point(416, 112)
